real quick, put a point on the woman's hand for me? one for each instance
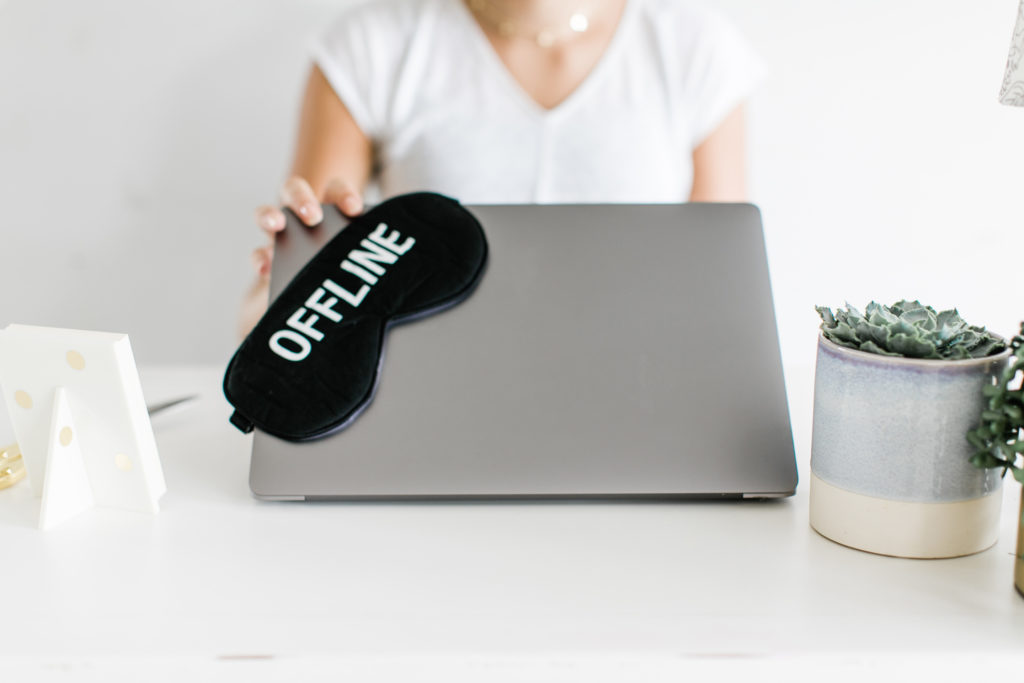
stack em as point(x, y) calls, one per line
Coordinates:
point(297, 195)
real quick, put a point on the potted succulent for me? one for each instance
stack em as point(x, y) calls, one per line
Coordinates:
point(997, 439)
point(896, 388)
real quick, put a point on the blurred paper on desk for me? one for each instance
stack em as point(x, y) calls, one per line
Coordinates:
point(1012, 92)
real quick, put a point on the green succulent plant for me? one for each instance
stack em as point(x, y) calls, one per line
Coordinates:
point(997, 439)
point(909, 329)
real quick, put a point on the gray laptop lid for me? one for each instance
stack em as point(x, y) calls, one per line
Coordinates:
point(609, 351)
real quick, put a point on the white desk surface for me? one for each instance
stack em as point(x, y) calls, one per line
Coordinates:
point(566, 588)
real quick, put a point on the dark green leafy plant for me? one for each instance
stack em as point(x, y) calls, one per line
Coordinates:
point(997, 439)
point(909, 329)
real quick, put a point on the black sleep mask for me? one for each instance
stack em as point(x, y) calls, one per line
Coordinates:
point(311, 364)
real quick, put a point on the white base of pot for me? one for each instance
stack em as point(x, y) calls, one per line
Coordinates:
point(918, 530)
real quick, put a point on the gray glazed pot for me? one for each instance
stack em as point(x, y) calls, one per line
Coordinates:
point(890, 470)
point(1018, 572)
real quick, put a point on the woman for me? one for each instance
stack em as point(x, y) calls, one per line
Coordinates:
point(519, 101)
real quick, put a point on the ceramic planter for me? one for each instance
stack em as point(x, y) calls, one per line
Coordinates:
point(890, 470)
point(1018, 572)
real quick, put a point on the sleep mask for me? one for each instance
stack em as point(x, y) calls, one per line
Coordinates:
point(311, 365)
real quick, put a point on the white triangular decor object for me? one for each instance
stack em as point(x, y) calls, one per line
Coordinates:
point(104, 398)
point(66, 490)
point(1012, 92)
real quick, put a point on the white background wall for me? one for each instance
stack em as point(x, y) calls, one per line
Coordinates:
point(137, 136)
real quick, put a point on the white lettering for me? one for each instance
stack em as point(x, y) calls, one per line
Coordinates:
point(295, 344)
point(353, 300)
point(369, 259)
point(324, 308)
point(277, 346)
point(391, 241)
point(305, 326)
point(361, 272)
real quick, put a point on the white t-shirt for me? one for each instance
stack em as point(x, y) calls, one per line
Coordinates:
point(424, 84)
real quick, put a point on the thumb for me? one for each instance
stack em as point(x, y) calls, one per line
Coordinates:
point(344, 196)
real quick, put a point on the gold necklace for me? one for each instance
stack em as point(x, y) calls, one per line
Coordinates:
point(544, 36)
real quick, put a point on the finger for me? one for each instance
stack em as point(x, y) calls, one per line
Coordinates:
point(270, 219)
point(253, 306)
point(345, 197)
point(257, 257)
point(261, 260)
point(298, 196)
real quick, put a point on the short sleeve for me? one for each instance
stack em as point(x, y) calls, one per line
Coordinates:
point(343, 54)
point(723, 71)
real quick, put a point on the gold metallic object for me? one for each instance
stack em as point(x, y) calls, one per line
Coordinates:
point(492, 13)
point(12, 466)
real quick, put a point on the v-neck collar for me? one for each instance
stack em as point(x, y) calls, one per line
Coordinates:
point(516, 90)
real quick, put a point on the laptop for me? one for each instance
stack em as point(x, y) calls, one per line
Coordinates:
point(610, 351)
